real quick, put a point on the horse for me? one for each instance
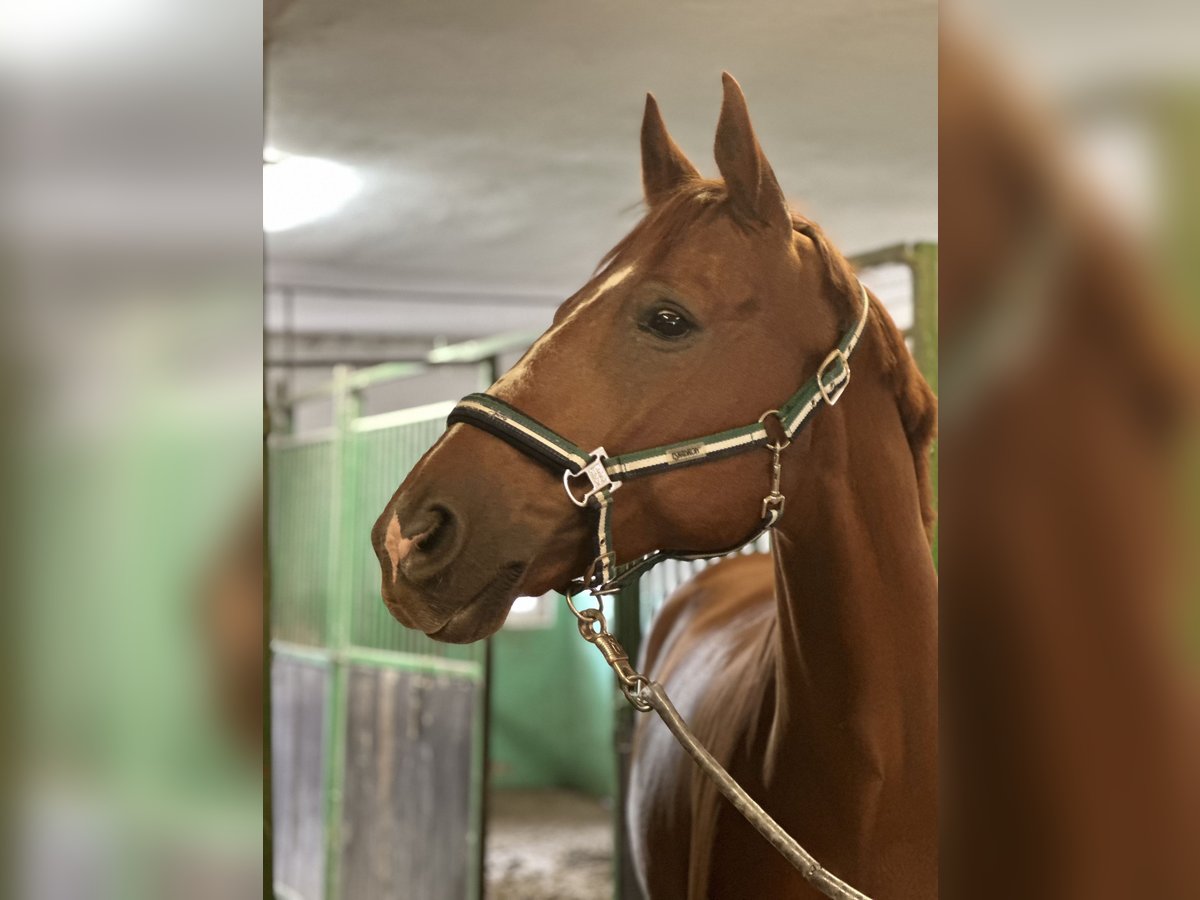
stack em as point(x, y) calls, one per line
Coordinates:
point(809, 673)
point(1069, 726)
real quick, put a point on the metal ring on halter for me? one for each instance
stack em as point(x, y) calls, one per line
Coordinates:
point(578, 613)
point(590, 574)
point(588, 620)
point(776, 445)
point(832, 395)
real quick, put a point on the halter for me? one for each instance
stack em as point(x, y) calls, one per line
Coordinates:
point(591, 479)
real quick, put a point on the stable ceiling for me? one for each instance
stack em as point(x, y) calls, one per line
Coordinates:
point(498, 142)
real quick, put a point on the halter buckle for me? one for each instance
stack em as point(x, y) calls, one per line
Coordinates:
point(588, 581)
point(774, 501)
point(833, 394)
point(596, 474)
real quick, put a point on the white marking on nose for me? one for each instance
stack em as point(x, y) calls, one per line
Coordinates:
point(398, 546)
point(609, 283)
point(518, 373)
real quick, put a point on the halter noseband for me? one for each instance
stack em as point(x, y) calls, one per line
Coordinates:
point(599, 475)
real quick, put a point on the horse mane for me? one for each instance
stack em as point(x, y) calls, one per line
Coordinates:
point(915, 400)
point(665, 223)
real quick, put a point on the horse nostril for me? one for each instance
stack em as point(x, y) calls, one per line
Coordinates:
point(436, 533)
point(427, 542)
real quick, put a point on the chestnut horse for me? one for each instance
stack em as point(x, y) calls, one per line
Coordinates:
point(810, 674)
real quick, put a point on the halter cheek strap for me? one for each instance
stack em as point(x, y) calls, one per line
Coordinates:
point(591, 479)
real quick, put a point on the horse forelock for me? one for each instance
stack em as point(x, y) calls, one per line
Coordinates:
point(664, 223)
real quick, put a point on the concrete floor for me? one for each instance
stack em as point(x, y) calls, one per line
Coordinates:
point(548, 845)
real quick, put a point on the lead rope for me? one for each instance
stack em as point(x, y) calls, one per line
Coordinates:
point(644, 695)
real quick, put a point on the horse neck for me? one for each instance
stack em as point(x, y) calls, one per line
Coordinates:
point(856, 660)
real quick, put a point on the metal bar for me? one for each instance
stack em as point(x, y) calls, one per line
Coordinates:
point(628, 631)
point(289, 331)
point(422, 295)
point(895, 254)
point(411, 662)
point(344, 408)
point(382, 337)
point(898, 255)
point(481, 350)
point(471, 352)
point(316, 436)
point(1176, 123)
point(323, 391)
point(388, 371)
point(467, 353)
point(403, 416)
point(268, 782)
point(925, 347)
point(315, 655)
point(330, 362)
point(925, 310)
point(489, 372)
point(478, 809)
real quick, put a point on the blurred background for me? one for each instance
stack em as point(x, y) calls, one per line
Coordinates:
point(130, 346)
point(1070, 633)
point(438, 178)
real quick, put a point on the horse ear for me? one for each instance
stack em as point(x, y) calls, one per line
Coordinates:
point(664, 167)
point(753, 191)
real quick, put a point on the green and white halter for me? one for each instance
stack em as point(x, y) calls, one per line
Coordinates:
point(599, 475)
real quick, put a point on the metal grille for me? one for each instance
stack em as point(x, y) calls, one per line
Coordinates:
point(301, 535)
point(383, 456)
point(378, 738)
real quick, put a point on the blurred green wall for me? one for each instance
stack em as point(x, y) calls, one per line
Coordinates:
point(552, 699)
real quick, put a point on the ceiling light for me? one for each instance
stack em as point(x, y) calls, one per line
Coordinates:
point(302, 189)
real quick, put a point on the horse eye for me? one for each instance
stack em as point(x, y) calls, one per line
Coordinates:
point(669, 324)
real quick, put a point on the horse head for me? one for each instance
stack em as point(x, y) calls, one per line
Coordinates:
point(714, 308)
